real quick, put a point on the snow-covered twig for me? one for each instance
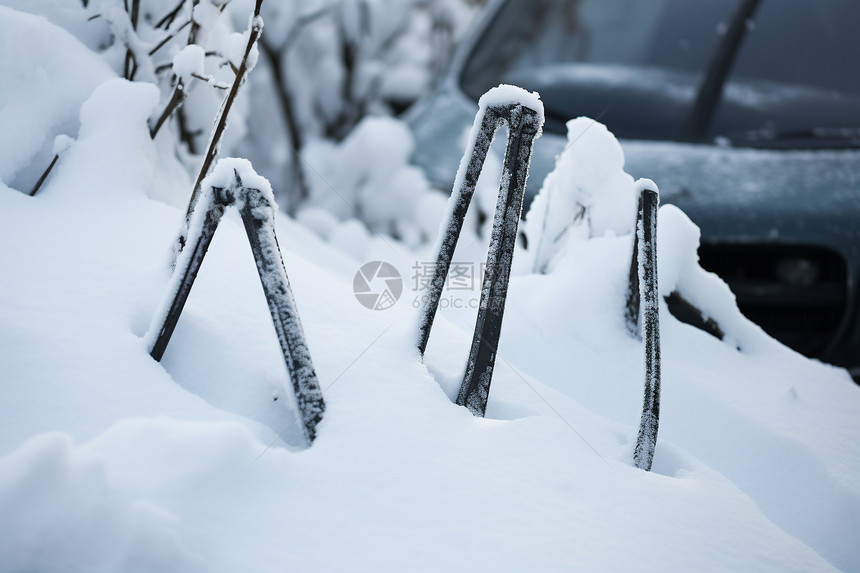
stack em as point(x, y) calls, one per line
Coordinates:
point(300, 23)
point(167, 38)
point(277, 56)
point(223, 112)
point(285, 98)
point(61, 143)
point(167, 20)
point(210, 80)
point(44, 176)
point(176, 99)
point(130, 59)
point(123, 26)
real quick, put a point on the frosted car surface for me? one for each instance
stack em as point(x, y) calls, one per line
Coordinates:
point(745, 112)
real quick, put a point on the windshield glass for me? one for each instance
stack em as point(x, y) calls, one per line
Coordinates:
point(637, 65)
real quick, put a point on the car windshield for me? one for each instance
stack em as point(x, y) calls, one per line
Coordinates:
point(638, 65)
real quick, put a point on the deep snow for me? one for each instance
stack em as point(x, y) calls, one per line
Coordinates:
point(110, 461)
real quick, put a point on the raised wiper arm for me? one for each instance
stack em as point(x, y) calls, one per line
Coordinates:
point(699, 118)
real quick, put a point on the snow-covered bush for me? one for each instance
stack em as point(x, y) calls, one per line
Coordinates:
point(589, 199)
point(367, 177)
point(325, 66)
point(110, 461)
point(587, 195)
point(328, 65)
point(187, 49)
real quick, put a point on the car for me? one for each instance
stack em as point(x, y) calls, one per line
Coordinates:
point(745, 112)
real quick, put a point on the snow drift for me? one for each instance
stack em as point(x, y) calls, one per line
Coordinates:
point(111, 461)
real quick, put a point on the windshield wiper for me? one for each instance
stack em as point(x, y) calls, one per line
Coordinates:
point(699, 118)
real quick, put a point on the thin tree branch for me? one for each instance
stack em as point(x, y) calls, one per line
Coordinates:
point(168, 18)
point(195, 26)
point(130, 60)
point(135, 13)
point(44, 175)
point(285, 98)
point(176, 99)
point(185, 133)
point(300, 23)
point(210, 80)
point(130, 65)
point(221, 124)
point(168, 38)
point(165, 67)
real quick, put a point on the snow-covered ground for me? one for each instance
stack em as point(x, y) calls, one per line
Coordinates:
point(111, 461)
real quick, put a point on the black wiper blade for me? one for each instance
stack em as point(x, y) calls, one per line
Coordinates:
point(702, 111)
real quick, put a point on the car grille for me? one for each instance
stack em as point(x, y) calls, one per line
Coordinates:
point(797, 294)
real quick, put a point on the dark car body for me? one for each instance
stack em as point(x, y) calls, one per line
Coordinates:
point(771, 177)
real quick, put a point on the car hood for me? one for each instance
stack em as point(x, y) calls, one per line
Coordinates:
point(732, 194)
point(752, 192)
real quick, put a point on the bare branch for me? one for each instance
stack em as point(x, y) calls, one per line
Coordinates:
point(212, 81)
point(221, 123)
point(167, 38)
point(44, 175)
point(195, 26)
point(168, 18)
point(186, 134)
point(176, 99)
point(130, 60)
point(130, 65)
point(135, 13)
point(285, 98)
point(165, 67)
point(300, 23)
